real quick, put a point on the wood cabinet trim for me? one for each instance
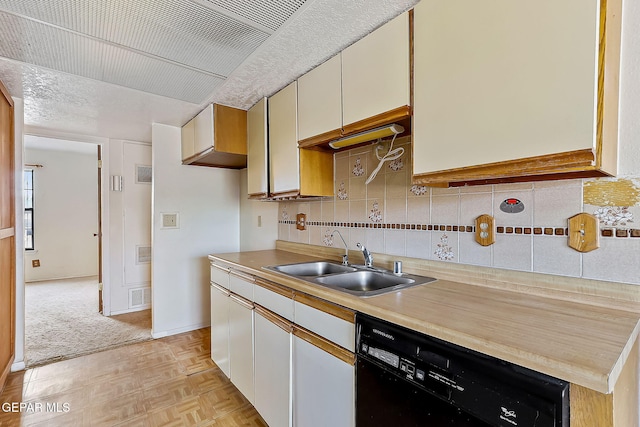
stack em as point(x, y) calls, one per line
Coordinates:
point(241, 300)
point(324, 344)
point(326, 307)
point(381, 119)
point(288, 193)
point(242, 276)
point(320, 139)
point(570, 161)
point(230, 129)
point(222, 289)
point(316, 173)
point(272, 317)
point(258, 196)
point(274, 287)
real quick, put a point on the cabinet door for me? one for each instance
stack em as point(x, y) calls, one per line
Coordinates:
point(220, 327)
point(257, 162)
point(320, 101)
point(499, 82)
point(273, 368)
point(204, 130)
point(375, 72)
point(283, 141)
point(241, 346)
point(324, 387)
point(188, 139)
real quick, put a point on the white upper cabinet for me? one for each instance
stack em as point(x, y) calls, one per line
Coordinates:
point(320, 100)
point(375, 72)
point(283, 141)
point(514, 89)
point(257, 140)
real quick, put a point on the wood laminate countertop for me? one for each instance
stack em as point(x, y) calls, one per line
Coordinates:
point(583, 343)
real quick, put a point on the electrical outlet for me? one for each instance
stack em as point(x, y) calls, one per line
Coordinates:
point(35, 263)
point(301, 221)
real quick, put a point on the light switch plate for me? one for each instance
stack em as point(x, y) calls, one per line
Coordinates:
point(584, 232)
point(170, 220)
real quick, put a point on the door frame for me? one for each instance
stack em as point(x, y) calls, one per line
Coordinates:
point(9, 234)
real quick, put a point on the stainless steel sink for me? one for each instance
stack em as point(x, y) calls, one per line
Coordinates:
point(319, 268)
point(364, 281)
point(367, 283)
point(356, 280)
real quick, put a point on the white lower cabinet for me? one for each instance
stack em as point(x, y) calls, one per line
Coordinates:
point(241, 345)
point(290, 355)
point(220, 327)
point(323, 383)
point(272, 368)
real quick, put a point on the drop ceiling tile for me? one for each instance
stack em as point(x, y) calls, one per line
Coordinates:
point(269, 13)
point(43, 45)
point(181, 31)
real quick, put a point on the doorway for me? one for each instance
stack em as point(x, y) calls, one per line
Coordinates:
point(63, 290)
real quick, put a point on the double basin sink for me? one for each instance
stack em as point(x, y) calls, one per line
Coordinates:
point(357, 280)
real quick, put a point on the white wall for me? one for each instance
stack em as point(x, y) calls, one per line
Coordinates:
point(65, 215)
point(207, 201)
point(130, 225)
point(258, 220)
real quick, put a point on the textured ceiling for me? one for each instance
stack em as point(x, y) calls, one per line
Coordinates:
point(110, 68)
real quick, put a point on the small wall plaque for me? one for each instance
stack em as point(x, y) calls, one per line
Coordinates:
point(511, 205)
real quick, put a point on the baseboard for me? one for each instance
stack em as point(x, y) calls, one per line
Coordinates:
point(5, 373)
point(162, 334)
point(61, 278)
point(133, 310)
point(18, 366)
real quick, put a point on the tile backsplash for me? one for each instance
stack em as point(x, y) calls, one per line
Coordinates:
point(390, 215)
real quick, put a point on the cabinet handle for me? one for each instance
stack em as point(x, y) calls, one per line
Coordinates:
point(219, 288)
point(243, 302)
point(324, 344)
point(279, 321)
point(242, 276)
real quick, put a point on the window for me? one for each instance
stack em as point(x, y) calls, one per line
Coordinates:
point(28, 209)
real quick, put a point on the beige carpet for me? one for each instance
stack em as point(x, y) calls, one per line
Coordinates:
point(62, 321)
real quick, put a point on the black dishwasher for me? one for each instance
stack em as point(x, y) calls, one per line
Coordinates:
point(404, 378)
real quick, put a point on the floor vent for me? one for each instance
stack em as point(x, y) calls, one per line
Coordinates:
point(139, 297)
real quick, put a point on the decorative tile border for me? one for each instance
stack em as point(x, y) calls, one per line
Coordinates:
point(538, 231)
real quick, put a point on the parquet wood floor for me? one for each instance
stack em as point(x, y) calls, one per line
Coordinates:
point(166, 382)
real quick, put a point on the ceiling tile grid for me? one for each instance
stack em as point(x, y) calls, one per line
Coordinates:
point(269, 13)
point(40, 44)
point(176, 30)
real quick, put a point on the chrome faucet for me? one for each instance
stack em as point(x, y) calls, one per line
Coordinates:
point(368, 258)
point(345, 257)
